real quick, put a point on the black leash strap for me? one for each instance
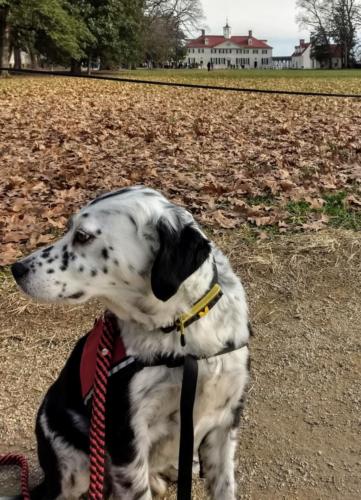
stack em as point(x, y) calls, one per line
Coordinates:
point(188, 394)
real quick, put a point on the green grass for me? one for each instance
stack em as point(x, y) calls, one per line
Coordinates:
point(335, 207)
point(340, 214)
point(326, 81)
point(266, 199)
point(299, 211)
point(247, 74)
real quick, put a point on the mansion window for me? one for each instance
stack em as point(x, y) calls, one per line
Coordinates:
point(242, 61)
point(218, 60)
point(264, 51)
point(246, 51)
point(265, 61)
point(255, 51)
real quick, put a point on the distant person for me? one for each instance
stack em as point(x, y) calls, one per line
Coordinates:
point(209, 66)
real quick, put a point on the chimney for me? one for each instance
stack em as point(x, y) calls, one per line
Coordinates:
point(250, 34)
point(203, 32)
point(302, 42)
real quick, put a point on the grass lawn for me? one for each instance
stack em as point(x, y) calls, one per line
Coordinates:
point(248, 74)
point(339, 81)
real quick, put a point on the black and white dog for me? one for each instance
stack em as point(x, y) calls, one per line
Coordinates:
point(148, 261)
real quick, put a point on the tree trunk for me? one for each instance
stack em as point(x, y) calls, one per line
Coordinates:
point(89, 68)
point(4, 40)
point(33, 58)
point(75, 68)
point(17, 58)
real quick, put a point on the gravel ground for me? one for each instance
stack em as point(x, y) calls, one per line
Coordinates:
point(300, 434)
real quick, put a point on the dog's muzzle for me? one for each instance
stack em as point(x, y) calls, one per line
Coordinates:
point(19, 271)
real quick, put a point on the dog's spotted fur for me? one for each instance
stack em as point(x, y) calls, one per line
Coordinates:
point(147, 261)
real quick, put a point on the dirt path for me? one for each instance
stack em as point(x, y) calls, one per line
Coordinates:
point(300, 435)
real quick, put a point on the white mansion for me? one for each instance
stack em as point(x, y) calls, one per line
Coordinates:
point(228, 51)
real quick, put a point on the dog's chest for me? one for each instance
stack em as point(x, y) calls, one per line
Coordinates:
point(155, 401)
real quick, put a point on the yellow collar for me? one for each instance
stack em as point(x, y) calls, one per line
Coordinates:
point(198, 311)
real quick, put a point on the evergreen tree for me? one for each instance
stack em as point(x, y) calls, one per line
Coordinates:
point(47, 28)
point(115, 28)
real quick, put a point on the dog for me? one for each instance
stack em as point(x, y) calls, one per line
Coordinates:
point(147, 261)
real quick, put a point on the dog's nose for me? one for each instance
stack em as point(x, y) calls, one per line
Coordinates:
point(19, 270)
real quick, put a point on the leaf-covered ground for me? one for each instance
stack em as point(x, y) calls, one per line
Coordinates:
point(299, 437)
point(274, 163)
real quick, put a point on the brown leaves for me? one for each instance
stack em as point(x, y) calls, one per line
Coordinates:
point(230, 158)
point(223, 220)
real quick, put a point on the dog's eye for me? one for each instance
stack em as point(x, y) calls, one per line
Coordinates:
point(81, 237)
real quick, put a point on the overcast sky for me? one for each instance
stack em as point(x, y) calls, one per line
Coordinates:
point(273, 20)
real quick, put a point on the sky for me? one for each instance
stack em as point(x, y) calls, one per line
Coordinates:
point(272, 20)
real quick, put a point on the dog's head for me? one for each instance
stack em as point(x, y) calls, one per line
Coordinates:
point(132, 242)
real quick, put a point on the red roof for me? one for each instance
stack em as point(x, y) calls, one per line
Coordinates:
point(214, 40)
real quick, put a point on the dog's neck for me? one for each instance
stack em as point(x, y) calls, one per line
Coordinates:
point(153, 314)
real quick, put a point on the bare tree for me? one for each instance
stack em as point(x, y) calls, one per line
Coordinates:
point(188, 14)
point(167, 24)
point(317, 16)
point(346, 20)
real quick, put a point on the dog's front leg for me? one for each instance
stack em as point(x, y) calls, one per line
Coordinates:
point(217, 460)
point(131, 481)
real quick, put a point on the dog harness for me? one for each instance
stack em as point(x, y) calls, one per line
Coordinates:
point(104, 354)
point(118, 355)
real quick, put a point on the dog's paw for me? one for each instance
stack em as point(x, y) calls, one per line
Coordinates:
point(157, 485)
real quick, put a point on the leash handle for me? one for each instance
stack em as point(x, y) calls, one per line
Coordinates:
point(186, 445)
point(20, 460)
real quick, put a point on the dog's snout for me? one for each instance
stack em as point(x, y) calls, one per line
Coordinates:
point(19, 270)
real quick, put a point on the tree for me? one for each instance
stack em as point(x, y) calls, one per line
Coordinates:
point(186, 13)
point(317, 16)
point(162, 41)
point(320, 50)
point(346, 21)
point(4, 36)
point(115, 27)
point(167, 24)
point(46, 27)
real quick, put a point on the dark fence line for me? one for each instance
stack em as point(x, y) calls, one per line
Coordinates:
point(183, 85)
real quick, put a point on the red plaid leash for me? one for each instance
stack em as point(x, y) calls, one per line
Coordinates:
point(97, 424)
point(20, 460)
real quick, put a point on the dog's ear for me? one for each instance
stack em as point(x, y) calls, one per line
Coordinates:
point(180, 254)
